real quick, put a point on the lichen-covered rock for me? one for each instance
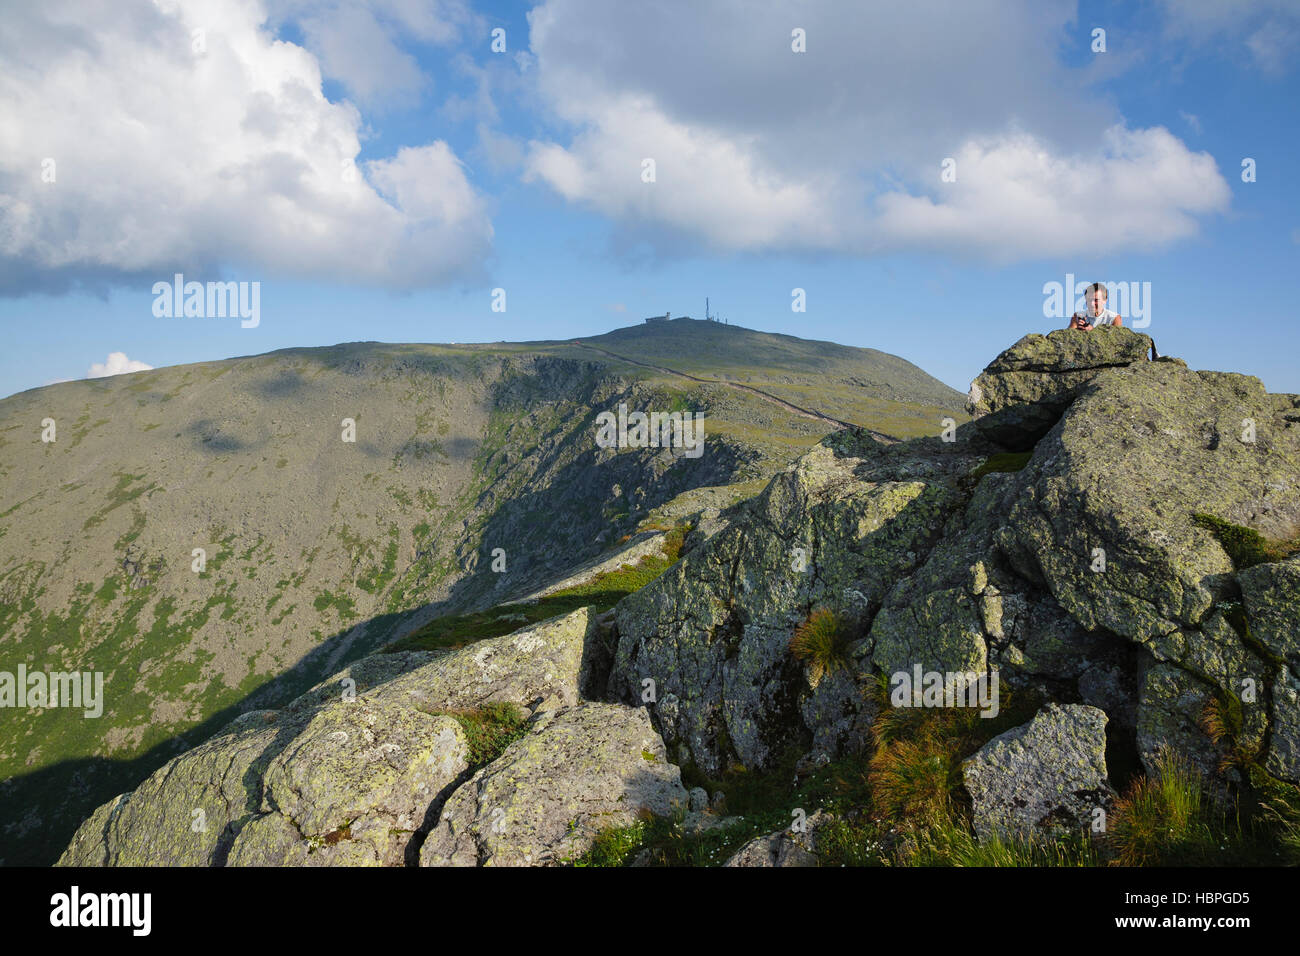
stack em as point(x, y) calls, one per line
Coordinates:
point(840, 710)
point(941, 631)
point(183, 813)
point(1284, 753)
point(364, 675)
point(549, 794)
point(1023, 391)
point(1216, 654)
point(544, 660)
point(1103, 521)
point(346, 774)
point(273, 840)
point(794, 848)
point(965, 609)
point(1039, 638)
point(1103, 517)
point(1171, 708)
point(91, 844)
point(714, 631)
point(1271, 594)
point(365, 773)
point(944, 614)
point(1048, 774)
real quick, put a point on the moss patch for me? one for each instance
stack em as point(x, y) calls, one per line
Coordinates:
point(1245, 547)
point(1004, 461)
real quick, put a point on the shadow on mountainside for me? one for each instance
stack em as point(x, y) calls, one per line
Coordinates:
point(547, 532)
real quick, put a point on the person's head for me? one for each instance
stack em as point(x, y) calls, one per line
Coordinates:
point(1095, 295)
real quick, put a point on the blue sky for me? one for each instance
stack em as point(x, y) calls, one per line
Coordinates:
point(379, 170)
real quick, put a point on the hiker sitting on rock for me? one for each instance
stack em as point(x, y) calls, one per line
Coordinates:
point(1096, 314)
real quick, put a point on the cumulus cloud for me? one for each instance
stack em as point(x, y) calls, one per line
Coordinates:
point(116, 364)
point(840, 149)
point(1016, 199)
point(132, 146)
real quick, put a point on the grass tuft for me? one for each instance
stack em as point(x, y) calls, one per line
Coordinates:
point(821, 642)
point(489, 729)
point(950, 842)
point(1160, 819)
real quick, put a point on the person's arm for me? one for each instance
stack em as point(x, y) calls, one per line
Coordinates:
point(1078, 321)
point(1119, 320)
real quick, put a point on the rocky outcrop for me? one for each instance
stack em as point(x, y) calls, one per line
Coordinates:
point(543, 801)
point(713, 633)
point(1077, 569)
point(1049, 774)
point(1025, 389)
point(1103, 521)
point(1121, 477)
point(355, 771)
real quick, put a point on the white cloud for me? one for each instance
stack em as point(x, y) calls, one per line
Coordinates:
point(116, 364)
point(229, 160)
point(361, 43)
point(1191, 119)
point(1015, 199)
point(839, 149)
point(353, 47)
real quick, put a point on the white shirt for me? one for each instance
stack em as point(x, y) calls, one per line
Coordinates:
point(1107, 317)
